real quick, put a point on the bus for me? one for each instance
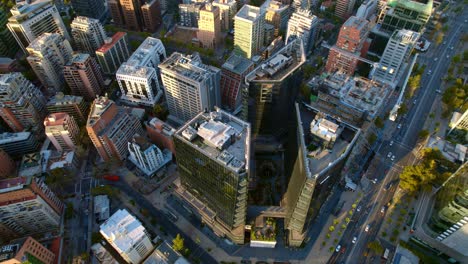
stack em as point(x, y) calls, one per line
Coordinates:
point(386, 253)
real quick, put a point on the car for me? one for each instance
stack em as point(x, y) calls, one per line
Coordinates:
point(445, 42)
point(435, 59)
point(338, 248)
point(382, 210)
point(391, 143)
point(393, 158)
point(374, 181)
point(354, 240)
point(429, 72)
point(389, 154)
point(415, 101)
point(438, 91)
point(399, 126)
point(343, 250)
point(448, 56)
point(451, 48)
point(358, 209)
point(367, 228)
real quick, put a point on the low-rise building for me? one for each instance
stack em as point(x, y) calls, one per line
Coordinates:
point(101, 207)
point(127, 236)
point(164, 254)
point(63, 160)
point(161, 134)
point(146, 156)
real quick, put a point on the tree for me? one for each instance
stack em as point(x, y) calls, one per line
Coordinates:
point(58, 178)
point(439, 38)
point(69, 211)
point(178, 243)
point(402, 110)
point(375, 246)
point(305, 91)
point(331, 228)
point(160, 112)
point(423, 134)
point(378, 122)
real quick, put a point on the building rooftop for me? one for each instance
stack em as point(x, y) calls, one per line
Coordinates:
point(123, 229)
point(141, 141)
point(320, 160)
point(146, 51)
point(99, 106)
point(164, 254)
point(135, 71)
point(61, 99)
point(7, 78)
point(419, 6)
point(249, 13)
point(101, 207)
point(405, 36)
point(356, 22)
point(160, 126)
point(281, 64)
point(64, 160)
point(40, 42)
point(220, 136)
point(110, 42)
point(56, 119)
point(79, 58)
point(12, 184)
point(357, 92)
point(13, 137)
point(237, 64)
point(189, 66)
point(84, 20)
point(24, 10)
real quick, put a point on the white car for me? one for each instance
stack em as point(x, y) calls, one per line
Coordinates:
point(358, 209)
point(435, 59)
point(382, 210)
point(429, 72)
point(393, 158)
point(354, 240)
point(367, 228)
point(338, 248)
point(391, 143)
point(399, 126)
point(389, 155)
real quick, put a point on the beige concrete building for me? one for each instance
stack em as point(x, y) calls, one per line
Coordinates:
point(62, 131)
point(209, 27)
point(227, 9)
point(249, 26)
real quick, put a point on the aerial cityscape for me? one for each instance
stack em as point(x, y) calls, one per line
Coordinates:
point(233, 131)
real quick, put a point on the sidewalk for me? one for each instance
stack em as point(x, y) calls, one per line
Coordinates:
point(325, 245)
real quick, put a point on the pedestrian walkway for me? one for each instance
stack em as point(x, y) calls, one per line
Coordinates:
point(325, 245)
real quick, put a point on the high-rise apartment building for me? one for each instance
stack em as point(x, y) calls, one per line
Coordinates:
point(26, 249)
point(302, 24)
point(367, 9)
point(209, 27)
point(190, 14)
point(84, 77)
point(249, 26)
point(18, 144)
point(151, 12)
point(277, 14)
point(146, 156)
point(74, 106)
point(127, 236)
point(138, 77)
point(90, 8)
point(213, 155)
point(28, 206)
point(8, 45)
point(113, 52)
point(406, 14)
point(110, 127)
point(62, 130)
point(88, 34)
point(190, 86)
point(227, 9)
point(302, 4)
point(268, 100)
point(459, 121)
point(48, 54)
point(233, 74)
point(344, 8)
point(396, 53)
point(31, 19)
point(351, 43)
point(136, 15)
point(7, 165)
point(22, 105)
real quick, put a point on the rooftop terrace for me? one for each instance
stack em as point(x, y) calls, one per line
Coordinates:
point(320, 160)
point(357, 92)
point(248, 12)
point(281, 64)
point(220, 136)
point(189, 66)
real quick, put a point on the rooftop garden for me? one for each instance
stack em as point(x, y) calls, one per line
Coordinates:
point(266, 232)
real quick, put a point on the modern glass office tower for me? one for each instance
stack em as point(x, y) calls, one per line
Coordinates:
point(213, 155)
point(406, 14)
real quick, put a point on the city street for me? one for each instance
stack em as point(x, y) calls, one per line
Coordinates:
point(404, 139)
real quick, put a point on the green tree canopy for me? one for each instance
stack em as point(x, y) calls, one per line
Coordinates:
point(178, 243)
point(375, 246)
